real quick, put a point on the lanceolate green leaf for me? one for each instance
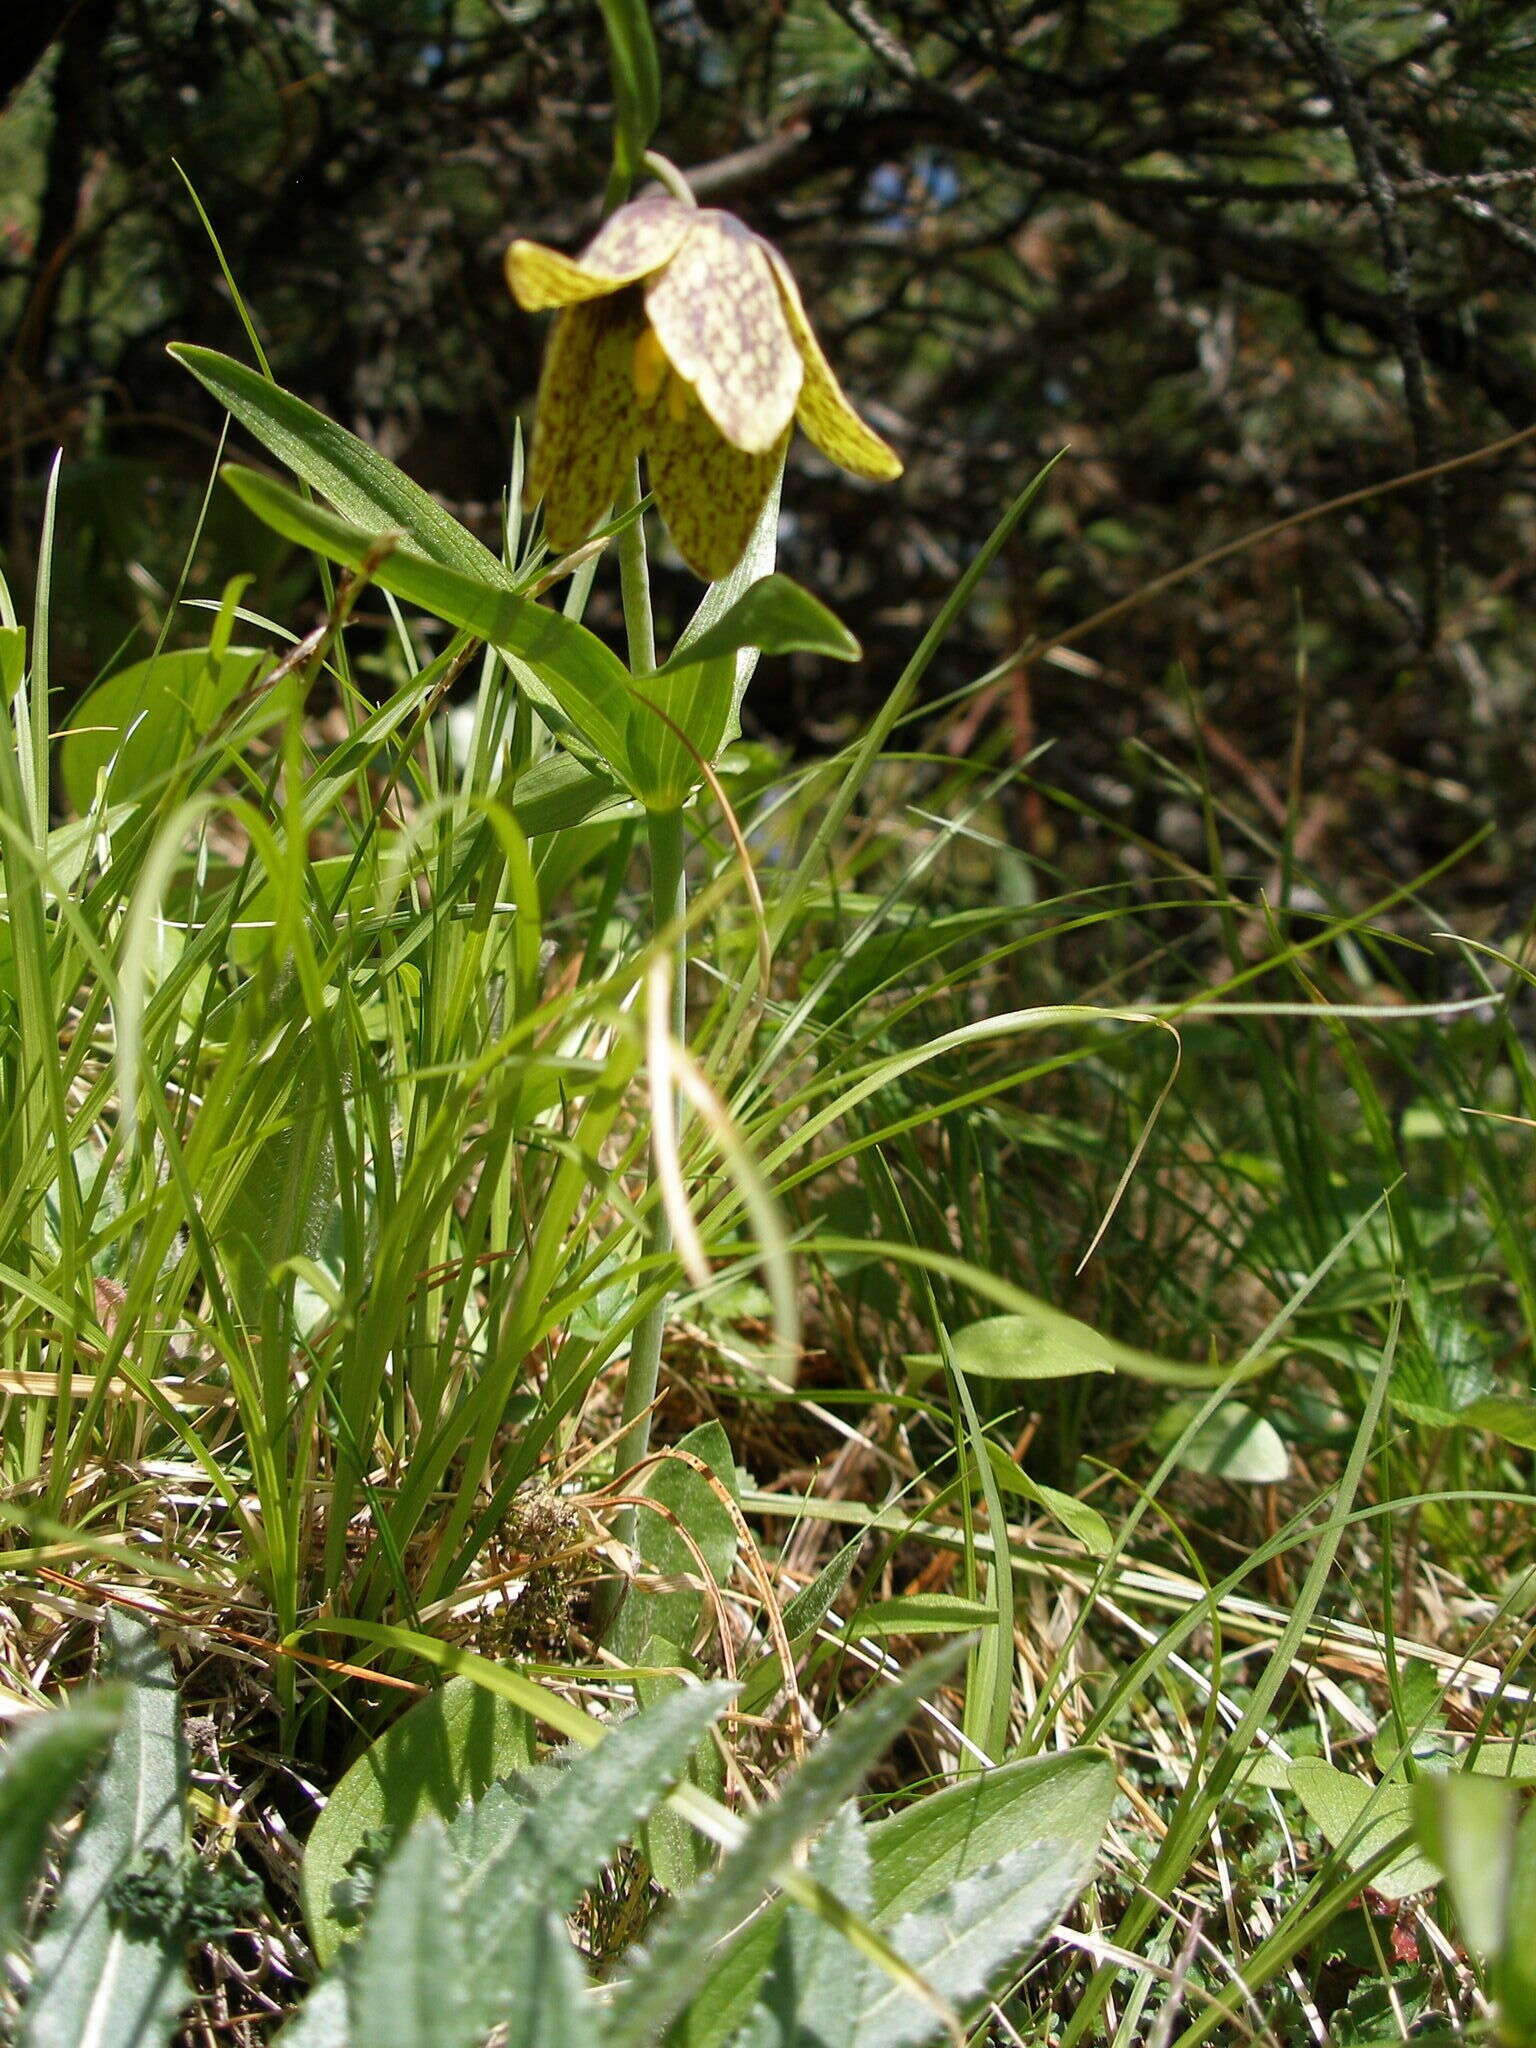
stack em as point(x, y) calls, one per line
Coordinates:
point(589, 683)
point(665, 1976)
point(362, 486)
point(559, 792)
point(961, 1940)
point(535, 1848)
point(914, 1855)
point(802, 1617)
point(549, 2005)
point(138, 722)
point(96, 1978)
point(775, 616)
point(407, 1977)
point(816, 1984)
point(921, 1614)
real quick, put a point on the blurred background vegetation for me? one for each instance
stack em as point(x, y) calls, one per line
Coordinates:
point(1237, 258)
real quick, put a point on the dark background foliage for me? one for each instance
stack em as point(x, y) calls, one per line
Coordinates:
point(1236, 259)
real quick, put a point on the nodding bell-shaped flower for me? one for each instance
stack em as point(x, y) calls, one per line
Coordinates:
point(680, 333)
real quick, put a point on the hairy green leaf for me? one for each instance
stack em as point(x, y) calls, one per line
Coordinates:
point(96, 1977)
point(407, 1977)
point(666, 1975)
point(40, 1767)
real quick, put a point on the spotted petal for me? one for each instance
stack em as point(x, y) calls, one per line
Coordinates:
point(586, 427)
point(637, 240)
point(823, 411)
point(719, 319)
point(709, 493)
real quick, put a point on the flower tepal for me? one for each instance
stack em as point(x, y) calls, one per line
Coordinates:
point(679, 333)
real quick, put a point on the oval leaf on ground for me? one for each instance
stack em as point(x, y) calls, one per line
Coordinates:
point(1233, 1443)
point(440, 1755)
point(1360, 1820)
point(1046, 1345)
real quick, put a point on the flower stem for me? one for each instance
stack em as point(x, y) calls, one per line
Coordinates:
point(635, 581)
point(665, 172)
point(669, 903)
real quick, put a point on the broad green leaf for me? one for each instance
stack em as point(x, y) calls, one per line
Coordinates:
point(441, 1754)
point(915, 1854)
point(665, 1975)
point(560, 792)
point(139, 723)
point(817, 1982)
point(922, 1614)
point(1232, 1443)
point(357, 480)
point(691, 1501)
point(1075, 1516)
point(39, 1769)
point(407, 1973)
point(1504, 1415)
point(659, 1627)
point(95, 1978)
point(251, 932)
point(589, 684)
point(1515, 1761)
point(536, 1847)
point(13, 658)
point(696, 690)
point(1360, 1820)
point(1047, 1346)
point(677, 1853)
point(663, 763)
point(774, 615)
point(961, 1941)
point(1515, 1978)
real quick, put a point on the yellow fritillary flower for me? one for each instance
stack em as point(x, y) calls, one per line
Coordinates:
point(680, 333)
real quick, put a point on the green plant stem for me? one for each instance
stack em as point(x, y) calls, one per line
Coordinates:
point(669, 903)
point(635, 582)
